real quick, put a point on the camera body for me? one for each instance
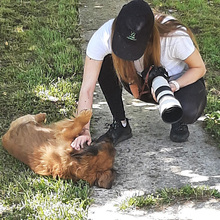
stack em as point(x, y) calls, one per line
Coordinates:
point(169, 107)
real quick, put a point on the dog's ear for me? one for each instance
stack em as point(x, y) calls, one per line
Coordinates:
point(106, 179)
point(85, 151)
point(40, 117)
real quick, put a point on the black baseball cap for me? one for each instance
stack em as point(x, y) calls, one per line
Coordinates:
point(133, 28)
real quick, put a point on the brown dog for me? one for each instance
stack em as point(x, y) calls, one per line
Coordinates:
point(47, 151)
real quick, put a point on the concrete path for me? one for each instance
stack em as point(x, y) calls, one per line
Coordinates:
point(149, 160)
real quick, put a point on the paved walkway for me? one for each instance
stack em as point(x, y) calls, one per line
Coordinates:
point(149, 161)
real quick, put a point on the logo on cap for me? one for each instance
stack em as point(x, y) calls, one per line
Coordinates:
point(132, 36)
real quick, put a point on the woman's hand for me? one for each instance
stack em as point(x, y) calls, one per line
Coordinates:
point(84, 137)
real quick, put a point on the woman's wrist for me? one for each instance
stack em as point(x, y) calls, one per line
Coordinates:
point(176, 84)
point(85, 131)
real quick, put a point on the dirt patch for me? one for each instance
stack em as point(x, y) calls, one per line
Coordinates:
point(149, 160)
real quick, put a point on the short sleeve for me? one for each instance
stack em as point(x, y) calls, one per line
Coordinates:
point(183, 45)
point(100, 43)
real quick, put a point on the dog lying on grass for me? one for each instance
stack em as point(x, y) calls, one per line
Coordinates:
point(47, 151)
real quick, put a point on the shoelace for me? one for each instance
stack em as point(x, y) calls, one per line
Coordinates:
point(113, 126)
point(180, 127)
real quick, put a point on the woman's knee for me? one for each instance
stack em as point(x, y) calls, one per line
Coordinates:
point(193, 101)
point(190, 114)
point(107, 69)
point(193, 110)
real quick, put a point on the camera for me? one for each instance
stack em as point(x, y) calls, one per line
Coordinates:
point(169, 107)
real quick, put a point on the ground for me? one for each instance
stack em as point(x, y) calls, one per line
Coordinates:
point(149, 160)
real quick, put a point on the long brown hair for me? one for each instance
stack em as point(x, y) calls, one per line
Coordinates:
point(172, 25)
point(125, 69)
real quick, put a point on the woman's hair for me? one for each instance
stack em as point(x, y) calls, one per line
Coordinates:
point(125, 69)
point(172, 25)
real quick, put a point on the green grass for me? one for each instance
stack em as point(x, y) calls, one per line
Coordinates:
point(167, 197)
point(203, 18)
point(25, 194)
point(41, 71)
point(40, 49)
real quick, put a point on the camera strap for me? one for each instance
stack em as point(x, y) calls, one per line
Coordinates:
point(145, 75)
point(145, 88)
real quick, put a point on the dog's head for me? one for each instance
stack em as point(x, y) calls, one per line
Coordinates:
point(98, 159)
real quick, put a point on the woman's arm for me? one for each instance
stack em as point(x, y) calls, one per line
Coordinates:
point(196, 70)
point(90, 76)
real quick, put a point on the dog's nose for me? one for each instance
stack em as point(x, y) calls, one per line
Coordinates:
point(105, 185)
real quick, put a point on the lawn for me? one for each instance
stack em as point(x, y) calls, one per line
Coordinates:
point(41, 71)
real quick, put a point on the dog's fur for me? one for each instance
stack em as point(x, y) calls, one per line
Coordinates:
point(47, 151)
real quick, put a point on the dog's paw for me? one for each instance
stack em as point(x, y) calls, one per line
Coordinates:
point(85, 115)
point(41, 117)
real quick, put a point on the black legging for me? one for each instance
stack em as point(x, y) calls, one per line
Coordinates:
point(191, 97)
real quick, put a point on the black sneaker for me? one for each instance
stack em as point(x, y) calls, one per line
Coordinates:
point(179, 132)
point(117, 133)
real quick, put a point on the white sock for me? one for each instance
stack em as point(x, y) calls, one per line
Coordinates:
point(124, 123)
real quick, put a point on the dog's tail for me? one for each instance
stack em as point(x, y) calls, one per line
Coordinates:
point(69, 129)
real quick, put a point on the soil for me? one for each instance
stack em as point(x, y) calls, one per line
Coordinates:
point(149, 160)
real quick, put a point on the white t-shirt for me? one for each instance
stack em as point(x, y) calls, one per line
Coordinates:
point(175, 48)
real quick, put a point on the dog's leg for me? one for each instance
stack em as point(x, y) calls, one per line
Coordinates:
point(70, 129)
point(83, 118)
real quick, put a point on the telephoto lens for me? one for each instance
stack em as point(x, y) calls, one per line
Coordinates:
point(169, 107)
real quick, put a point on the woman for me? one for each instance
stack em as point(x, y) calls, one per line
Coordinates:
point(123, 48)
